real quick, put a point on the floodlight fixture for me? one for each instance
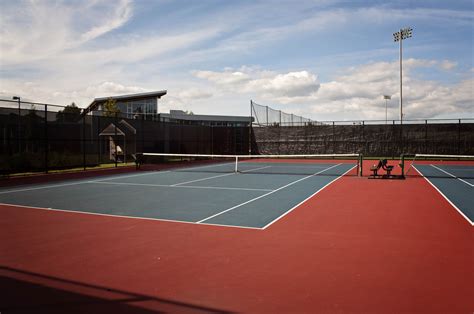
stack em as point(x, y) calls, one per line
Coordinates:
point(399, 36)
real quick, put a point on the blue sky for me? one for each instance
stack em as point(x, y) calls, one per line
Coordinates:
point(326, 60)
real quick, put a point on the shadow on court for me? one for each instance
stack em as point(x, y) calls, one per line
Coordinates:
point(28, 292)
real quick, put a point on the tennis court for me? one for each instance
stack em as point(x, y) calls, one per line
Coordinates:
point(207, 194)
point(254, 236)
point(453, 182)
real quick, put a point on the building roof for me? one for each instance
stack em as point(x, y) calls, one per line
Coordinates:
point(181, 115)
point(97, 101)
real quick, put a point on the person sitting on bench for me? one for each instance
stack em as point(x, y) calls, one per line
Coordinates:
point(386, 167)
point(382, 164)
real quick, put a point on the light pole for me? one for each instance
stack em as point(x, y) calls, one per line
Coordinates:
point(404, 33)
point(386, 97)
point(19, 115)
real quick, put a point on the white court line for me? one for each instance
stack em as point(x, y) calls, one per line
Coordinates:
point(203, 179)
point(131, 175)
point(445, 197)
point(452, 175)
point(201, 167)
point(128, 217)
point(217, 176)
point(297, 205)
point(42, 187)
point(180, 186)
point(266, 194)
point(83, 181)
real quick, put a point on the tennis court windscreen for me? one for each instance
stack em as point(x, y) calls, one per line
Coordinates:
point(327, 164)
point(441, 166)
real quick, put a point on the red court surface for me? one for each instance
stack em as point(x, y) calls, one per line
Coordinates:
point(358, 246)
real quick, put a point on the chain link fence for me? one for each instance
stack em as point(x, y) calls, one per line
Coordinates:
point(36, 137)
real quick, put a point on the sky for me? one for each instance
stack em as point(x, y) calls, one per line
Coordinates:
point(325, 60)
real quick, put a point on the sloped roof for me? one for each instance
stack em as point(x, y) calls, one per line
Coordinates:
point(97, 101)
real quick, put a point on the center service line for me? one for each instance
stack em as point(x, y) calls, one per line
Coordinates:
point(266, 194)
point(452, 175)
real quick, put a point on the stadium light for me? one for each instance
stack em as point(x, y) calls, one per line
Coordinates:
point(401, 35)
point(19, 114)
point(386, 97)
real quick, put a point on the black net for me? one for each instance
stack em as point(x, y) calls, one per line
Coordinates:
point(330, 164)
point(441, 166)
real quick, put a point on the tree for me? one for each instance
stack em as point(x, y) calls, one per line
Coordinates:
point(70, 113)
point(111, 108)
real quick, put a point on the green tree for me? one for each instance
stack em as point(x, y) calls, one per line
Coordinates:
point(111, 108)
point(70, 113)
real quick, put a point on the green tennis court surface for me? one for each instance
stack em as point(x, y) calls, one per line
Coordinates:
point(245, 199)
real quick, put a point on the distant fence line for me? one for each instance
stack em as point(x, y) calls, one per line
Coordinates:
point(35, 139)
point(42, 137)
point(428, 137)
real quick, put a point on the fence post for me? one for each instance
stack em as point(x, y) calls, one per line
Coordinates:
point(46, 138)
point(84, 142)
point(266, 115)
point(99, 155)
point(333, 137)
point(115, 138)
point(426, 136)
point(459, 137)
point(143, 132)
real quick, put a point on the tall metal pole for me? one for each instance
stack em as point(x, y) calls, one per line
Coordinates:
point(404, 33)
point(401, 86)
point(386, 97)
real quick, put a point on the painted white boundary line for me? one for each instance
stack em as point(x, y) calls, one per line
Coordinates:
point(452, 175)
point(297, 205)
point(83, 181)
point(127, 217)
point(180, 186)
point(178, 169)
point(266, 194)
point(445, 197)
point(131, 175)
point(218, 176)
point(203, 179)
point(42, 187)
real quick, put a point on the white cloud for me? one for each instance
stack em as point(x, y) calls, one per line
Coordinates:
point(194, 93)
point(355, 95)
point(266, 83)
point(118, 17)
point(448, 65)
point(46, 30)
point(359, 94)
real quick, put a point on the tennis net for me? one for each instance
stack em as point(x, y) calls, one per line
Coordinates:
point(326, 164)
point(440, 166)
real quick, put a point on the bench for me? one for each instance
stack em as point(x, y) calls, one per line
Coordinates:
point(381, 165)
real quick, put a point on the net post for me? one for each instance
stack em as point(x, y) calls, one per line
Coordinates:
point(46, 138)
point(84, 142)
point(402, 165)
point(115, 137)
point(359, 165)
point(236, 169)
